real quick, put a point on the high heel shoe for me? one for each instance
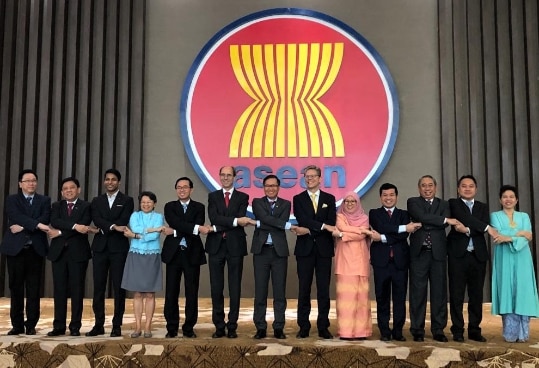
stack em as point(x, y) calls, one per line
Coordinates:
point(136, 334)
point(147, 334)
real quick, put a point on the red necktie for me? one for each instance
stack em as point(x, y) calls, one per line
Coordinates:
point(389, 213)
point(69, 208)
point(227, 198)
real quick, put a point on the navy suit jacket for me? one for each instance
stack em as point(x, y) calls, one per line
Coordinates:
point(75, 244)
point(19, 212)
point(477, 221)
point(271, 223)
point(325, 214)
point(389, 227)
point(104, 217)
point(222, 217)
point(432, 220)
point(184, 224)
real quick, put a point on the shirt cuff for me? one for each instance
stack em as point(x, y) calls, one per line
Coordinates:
point(257, 223)
point(383, 237)
point(235, 223)
point(402, 229)
point(287, 226)
point(195, 229)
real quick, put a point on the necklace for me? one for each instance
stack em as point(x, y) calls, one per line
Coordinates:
point(512, 223)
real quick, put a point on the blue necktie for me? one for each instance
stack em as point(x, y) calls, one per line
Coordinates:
point(29, 200)
point(470, 247)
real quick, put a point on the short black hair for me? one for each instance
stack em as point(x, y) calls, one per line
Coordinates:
point(466, 177)
point(271, 176)
point(507, 187)
point(387, 186)
point(148, 194)
point(70, 178)
point(184, 178)
point(27, 171)
point(113, 172)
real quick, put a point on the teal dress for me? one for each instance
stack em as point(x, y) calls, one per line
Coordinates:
point(514, 289)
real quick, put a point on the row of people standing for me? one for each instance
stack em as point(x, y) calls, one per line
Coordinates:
point(183, 252)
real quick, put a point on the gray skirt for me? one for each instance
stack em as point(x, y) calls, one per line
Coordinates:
point(142, 273)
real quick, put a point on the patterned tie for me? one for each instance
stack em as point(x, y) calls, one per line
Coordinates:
point(272, 205)
point(70, 208)
point(29, 200)
point(470, 247)
point(183, 243)
point(428, 238)
point(313, 199)
point(389, 213)
point(227, 199)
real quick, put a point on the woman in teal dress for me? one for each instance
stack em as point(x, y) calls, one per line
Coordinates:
point(514, 289)
point(142, 271)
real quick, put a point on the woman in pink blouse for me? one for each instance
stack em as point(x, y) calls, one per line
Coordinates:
point(352, 269)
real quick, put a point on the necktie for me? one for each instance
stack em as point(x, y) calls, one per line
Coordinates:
point(313, 199)
point(470, 247)
point(29, 200)
point(227, 198)
point(389, 213)
point(183, 242)
point(272, 205)
point(70, 208)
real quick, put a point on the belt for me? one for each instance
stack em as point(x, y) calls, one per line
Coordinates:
point(267, 245)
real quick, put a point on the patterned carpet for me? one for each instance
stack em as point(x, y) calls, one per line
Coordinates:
point(106, 352)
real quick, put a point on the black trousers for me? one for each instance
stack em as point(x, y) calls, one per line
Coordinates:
point(309, 266)
point(234, 265)
point(25, 273)
point(466, 272)
point(103, 263)
point(179, 266)
point(69, 278)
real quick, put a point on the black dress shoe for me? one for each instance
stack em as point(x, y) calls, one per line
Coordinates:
point(478, 338)
point(232, 334)
point(419, 338)
point(220, 332)
point(458, 338)
point(30, 330)
point(302, 333)
point(385, 338)
point(95, 331)
point(189, 334)
point(74, 332)
point(325, 334)
point(346, 338)
point(56, 332)
point(171, 334)
point(440, 337)
point(260, 334)
point(116, 332)
point(279, 334)
point(15, 331)
point(399, 338)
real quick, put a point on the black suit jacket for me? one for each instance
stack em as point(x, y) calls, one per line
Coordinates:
point(477, 222)
point(325, 214)
point(75, 244)
point(389, 227)
point(222, 218)
point(432, 220)
point(184, 224)
point(271, 223)
point(104, 217)
point(19, 212)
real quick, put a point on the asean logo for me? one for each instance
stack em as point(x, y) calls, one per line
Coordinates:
point(281, 89)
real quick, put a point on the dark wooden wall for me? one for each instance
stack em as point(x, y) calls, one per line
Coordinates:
point(489, 93)
point(72, 92)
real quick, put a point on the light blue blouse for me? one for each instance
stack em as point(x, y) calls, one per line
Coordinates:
point(149, 242)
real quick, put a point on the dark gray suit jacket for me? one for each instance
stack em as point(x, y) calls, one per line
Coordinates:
point(432, 220)
point(273, 224)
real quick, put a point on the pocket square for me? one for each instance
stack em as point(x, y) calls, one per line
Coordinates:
point(324, 205)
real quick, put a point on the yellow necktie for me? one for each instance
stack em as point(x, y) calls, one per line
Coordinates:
point(313, 199)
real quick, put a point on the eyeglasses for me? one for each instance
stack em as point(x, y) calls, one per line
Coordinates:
point(309, 177)
point(271, 185)
point(183, 188)
point(33, 181)
point(350, 201)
